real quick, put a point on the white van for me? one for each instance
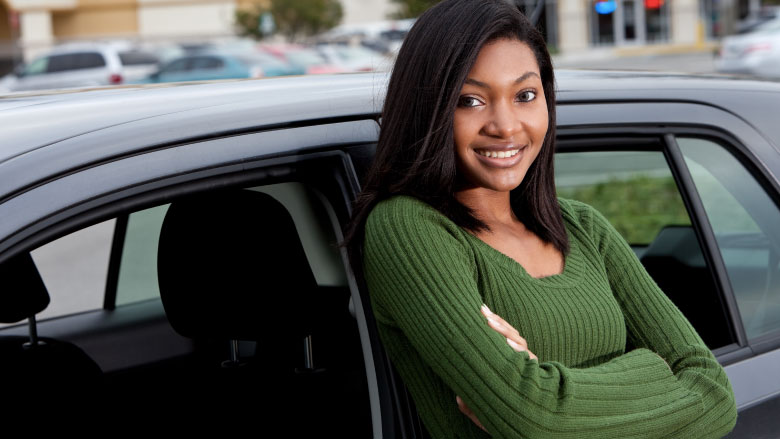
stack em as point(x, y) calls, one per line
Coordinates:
point(82, 65)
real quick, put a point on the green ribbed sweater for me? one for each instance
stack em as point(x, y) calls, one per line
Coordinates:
point(427, 279)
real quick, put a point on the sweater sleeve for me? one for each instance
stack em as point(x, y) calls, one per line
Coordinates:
point(655, 323)
point(421, 275)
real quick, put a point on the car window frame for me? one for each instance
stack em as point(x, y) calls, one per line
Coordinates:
point(643, 138)
point(744, 359)
point(744, 156)
point(609, 115)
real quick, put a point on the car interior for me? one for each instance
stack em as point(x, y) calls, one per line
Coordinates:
point(209, 298)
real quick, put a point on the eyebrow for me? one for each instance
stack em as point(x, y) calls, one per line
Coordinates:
point(522, 78)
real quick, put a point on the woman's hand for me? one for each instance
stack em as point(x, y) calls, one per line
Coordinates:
point(514, 340)
point(467, 411)
point(513, 337)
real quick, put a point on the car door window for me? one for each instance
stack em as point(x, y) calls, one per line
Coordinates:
point(207, 63)
point(180, 65)
point(635, 190)
point(37, 67)
point(746, 223)
point(74, 269)
point(89, 60)
point(137, 279)
point(637, 193)
point(62, 63)
point(135, 58)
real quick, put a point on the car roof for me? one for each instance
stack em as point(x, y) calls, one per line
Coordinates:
point(34, 121)
point(74, 128)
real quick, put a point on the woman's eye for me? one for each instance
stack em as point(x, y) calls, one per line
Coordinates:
point(526, 96)
point(468, 101)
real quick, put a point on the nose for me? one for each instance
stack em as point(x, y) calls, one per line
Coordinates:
point(503, 122)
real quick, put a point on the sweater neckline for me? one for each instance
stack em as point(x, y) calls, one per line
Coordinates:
point(565, 278)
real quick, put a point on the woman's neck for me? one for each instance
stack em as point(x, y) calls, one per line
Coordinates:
point(489, 206)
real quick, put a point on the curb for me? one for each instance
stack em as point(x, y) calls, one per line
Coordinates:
point(667, 49)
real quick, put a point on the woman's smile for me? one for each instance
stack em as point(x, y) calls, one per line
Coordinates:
point(500, 157)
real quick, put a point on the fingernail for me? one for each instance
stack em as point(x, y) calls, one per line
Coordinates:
point(486, 310)
point(457, 399)
point(515, 345)
point(494, 322)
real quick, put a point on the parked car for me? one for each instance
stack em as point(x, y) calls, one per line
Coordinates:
point(755, 53)
point(766, 13)
point(383, 36)
point(354, 58)
point(192, 229)
point(303, 57)
point(82, 65)
point(211, 66)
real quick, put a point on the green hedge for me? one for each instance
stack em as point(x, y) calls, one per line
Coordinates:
point(638, 207)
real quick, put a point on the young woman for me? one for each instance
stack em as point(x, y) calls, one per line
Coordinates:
point(459, 217)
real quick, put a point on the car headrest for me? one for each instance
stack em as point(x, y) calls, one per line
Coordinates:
point(676, 242)
point(231, 265)
point(23, 293)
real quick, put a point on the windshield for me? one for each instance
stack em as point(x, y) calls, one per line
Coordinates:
point(770, 27)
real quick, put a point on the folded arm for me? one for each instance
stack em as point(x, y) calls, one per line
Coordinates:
point(655, 323)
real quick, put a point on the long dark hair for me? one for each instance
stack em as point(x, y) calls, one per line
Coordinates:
point(416, 151)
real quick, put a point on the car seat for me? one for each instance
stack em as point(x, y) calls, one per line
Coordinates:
point(35, 365)
point(232, 270)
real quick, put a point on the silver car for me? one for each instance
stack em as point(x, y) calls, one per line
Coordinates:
point(756, 53)
point(81, 65)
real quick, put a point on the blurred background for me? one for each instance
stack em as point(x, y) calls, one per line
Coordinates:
point(68, 43)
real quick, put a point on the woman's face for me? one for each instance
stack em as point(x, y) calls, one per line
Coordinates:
point(501, 118)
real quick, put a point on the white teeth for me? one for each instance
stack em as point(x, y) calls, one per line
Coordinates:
point(498, 154)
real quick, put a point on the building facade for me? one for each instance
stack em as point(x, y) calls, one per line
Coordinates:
point(579, 25)
point(28, 27)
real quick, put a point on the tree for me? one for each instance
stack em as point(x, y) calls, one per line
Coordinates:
point(248, 22)
point(412, 8)
point(292, 18)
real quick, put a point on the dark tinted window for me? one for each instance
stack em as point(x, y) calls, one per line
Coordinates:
point(180, 65)
point(207, 62)
point(136, 58)
point(74, 61)
point(90, 60)
point(393, 35)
